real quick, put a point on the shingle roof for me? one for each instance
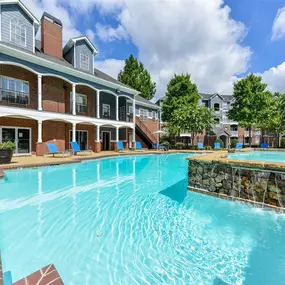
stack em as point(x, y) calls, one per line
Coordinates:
point(140, 99)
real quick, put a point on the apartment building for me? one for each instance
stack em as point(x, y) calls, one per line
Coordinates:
point(51, 93)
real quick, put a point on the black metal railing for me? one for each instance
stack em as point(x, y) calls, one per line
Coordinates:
point(10, 97)
point(81, 108)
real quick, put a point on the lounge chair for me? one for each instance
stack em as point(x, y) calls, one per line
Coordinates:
point(139, 146)
point(76, 149)
point(217, 145)
point(155, 146)
point(239, 145)
point(52, 148)
point(264, 145)
point(120, 146)
point(200, 145)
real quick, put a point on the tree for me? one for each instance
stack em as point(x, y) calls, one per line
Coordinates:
point(251, 99)
point(136, 76)
point(180, 91)
point(195, 119)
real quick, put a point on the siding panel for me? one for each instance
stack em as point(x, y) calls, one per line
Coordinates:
point(82, 47)
point(13, 11)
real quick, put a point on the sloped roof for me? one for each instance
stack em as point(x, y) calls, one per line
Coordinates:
point(72, 41)
point(143, 101)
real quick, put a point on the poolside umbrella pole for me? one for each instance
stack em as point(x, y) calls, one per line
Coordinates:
point(159, 133)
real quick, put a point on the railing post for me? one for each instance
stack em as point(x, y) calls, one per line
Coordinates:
point(73, 99)
point(39, 92)
point(98, 104)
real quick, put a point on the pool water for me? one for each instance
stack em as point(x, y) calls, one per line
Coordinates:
point(130, 220)
point(273, 156)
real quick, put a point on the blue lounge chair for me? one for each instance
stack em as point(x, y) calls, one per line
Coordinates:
point(200, 145)
point(264, 145)
point(155, 145)
point(52, 148)
point(120, 146)
point(217, 145)
point(139, 146)
point(75, 147)
point(239, 145)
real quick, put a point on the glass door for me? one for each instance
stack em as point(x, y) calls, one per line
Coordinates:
point(81, 139)
point(23, 141)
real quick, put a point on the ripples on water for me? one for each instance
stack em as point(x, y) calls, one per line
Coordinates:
point(130, 220)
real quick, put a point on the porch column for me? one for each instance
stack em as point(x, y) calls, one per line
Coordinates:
point(117, 108)
point(97, 140)
point(73, 99)
point(134, 138)
point(117, 134)
point(40, 131)
point(40, 92)
point(97, 133)
point(98, 105)
point(73, 132)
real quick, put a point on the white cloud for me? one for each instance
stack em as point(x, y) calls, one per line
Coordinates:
point(109, 34)
point(90, 34)
point(110, 66)
point(278, 28)
point(274, 78)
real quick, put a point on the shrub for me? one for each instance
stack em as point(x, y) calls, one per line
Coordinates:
point(193, 147)
point(220, 141)
point(165, 144)
point(208, 147)
point(233, 143)
point(255, 145)
point(179, 145)
point(8, 145)
point(283, 142)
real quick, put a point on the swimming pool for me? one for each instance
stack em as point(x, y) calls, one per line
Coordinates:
point(130, 220)
point(274, 156)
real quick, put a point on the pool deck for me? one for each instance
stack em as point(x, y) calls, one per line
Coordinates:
point(36, 161)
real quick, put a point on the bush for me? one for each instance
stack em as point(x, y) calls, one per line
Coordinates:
point(283, 142)
point(8, 145)
point(220, 141)
point(255, 145)
point(165, 144)
point(179, 145)
point(233, 143)
point(208, 147)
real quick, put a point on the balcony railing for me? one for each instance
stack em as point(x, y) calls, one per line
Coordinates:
point(10, 97)
point(81, 108)
point(108, 116)
point(234, 133)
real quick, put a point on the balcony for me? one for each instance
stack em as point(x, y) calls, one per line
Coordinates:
point(10, 97)
point(81, 108)
point(234, 133)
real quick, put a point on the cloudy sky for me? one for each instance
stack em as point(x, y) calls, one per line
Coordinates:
point(216, 41)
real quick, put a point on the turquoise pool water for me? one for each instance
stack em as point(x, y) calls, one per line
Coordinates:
point(130, 220)
point(274, 156)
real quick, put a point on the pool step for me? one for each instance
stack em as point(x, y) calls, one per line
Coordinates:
point(44, 276)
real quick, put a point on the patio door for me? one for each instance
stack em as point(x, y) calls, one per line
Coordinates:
point(106, 140)
point(81, 139)
point(20, 136)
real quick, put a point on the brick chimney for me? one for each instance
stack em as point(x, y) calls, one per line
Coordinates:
point(51, 35)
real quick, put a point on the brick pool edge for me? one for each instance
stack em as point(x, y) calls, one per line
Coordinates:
point(259, 183)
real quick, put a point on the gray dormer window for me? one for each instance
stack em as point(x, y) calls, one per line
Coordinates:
point(18, 32)
point(84, 61)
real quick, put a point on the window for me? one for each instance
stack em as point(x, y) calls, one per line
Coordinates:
point(217, 107)
point(81, 103)
point(106, 111)
point(84, 61)
point(144, 114)
point(18, 32)
point(154, 116)
point(14, 90)
point(130, 109)
point(217, 120)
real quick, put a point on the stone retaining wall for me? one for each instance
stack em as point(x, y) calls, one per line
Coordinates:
point(266, 186)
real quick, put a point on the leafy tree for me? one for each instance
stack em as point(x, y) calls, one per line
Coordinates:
point(180, 91)
point(136, 76)
point(195, 119)
point(251, 101)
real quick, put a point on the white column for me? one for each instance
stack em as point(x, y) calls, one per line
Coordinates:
point(134, 137)
point(40, 93)
point(98, 104)
point(117, 134)
point(117, 108)
point(73, 132)
point(40, 130)
point(98, 134)
point(73, 99)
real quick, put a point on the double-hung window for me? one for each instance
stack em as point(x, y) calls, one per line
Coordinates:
point(18, 32)
point(14, 90)
point(144, 114)
point(106, 111)
point(81, 103)
point(84, 61)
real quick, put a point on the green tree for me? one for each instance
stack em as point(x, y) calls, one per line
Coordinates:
point(180, 91)
point(251, 101)
point(194, 119)
point(136, 76)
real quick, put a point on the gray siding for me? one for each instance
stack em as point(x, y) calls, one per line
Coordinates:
point(112, 130)
point(13, 11)
point(122, 134)
point(70, 56)
point(106, 98)
point(146, 108)
point(82, 47)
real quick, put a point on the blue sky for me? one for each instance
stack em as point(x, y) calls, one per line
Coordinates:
point(216, 41)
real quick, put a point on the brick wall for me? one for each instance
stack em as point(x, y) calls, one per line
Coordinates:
point(153, 126)
point(23, 74)
point(90, 99)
